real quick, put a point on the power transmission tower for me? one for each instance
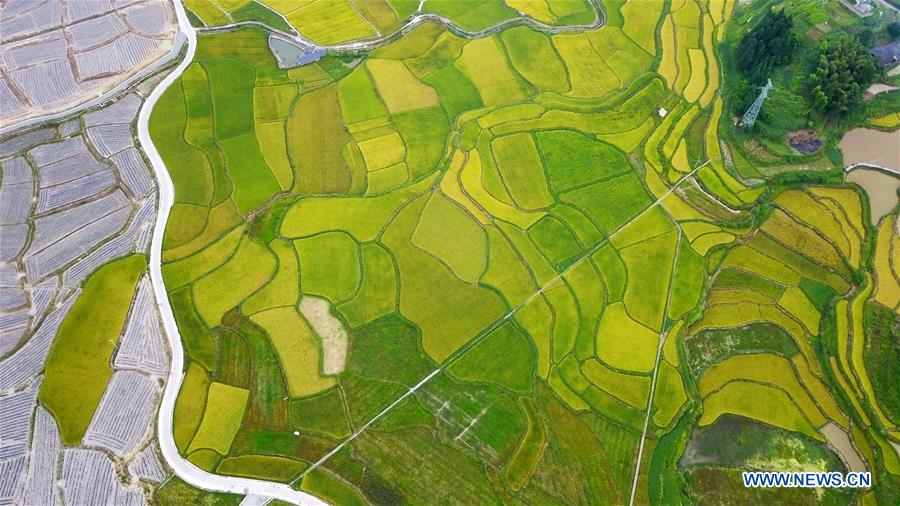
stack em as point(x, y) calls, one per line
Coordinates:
point(750, 116)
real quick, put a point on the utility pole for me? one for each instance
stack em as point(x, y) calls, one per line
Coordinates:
point(749, 118)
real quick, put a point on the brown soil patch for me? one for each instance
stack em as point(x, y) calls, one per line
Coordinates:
point(840, 442)
point(758, 150)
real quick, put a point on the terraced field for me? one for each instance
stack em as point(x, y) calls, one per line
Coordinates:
point(520, 267)
point(329, 22)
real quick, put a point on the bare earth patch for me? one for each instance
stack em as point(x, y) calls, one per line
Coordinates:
point(877, 88)
point(840, 441)
point(334, 337)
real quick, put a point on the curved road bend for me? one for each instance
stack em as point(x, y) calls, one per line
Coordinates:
point(182, 467)
point(419, 18)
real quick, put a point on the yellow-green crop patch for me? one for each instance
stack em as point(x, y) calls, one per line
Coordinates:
point(329, 265)
point(502, 357)
point(186, 222)
point(251, 267)
point(189, 168)
point(610, 203)
point(362, 218)
point(484, 62)
point(537, 9)
point(767, 369)
point(640, 23)
point(274, 102)
point(523, 463)
point(222, 418)
point(316, 137)
point(573, 159)
point(887, 288)
point(324, 21)
point(273, 145)
point(522, 171)
point(284, 287)
point(298, 349)
point(358, 98)
point(208, 11)
point(378, 13)
point(536, 319)
point(433, 263)
point(451, 235)
point(399, 88)
point(754, 400)
point(505, 270)
point(629, 388)
point(190, 405)
point(445, 49)
point(669, 395)
point(323, 484)
point(555, 241)
point(220, 219)
point(589, 74)
point(268, 467)
point(83, 349)
point(649, 264)
point(625, 344)
point(377, 295)
point(533, 56)
point(382, 152)
point(421, 276)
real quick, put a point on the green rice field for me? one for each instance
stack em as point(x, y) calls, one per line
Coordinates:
point(487, 269)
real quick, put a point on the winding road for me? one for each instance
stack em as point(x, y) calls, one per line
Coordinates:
point(255, 489)
point(182, 467)
point(417, 19)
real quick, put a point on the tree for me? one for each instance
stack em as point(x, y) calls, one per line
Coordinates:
point(893, 30)
point(768, 45)
point(867, 37)
point(844, 69)
point(742, 95)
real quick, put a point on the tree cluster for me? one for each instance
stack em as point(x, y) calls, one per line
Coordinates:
point(768, 45)
point(844, 69)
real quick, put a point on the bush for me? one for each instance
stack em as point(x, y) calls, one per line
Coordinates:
point(741, 96)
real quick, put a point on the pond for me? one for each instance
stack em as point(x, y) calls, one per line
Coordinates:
point(865, 146)
point(880, 186)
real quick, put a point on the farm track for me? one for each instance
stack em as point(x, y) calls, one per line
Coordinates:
point(487, 330)
point(258, 489)
point(185, 44)
point(419, 18)
point(150, 69)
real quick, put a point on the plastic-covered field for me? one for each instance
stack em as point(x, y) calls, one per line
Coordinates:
point(82, 354)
